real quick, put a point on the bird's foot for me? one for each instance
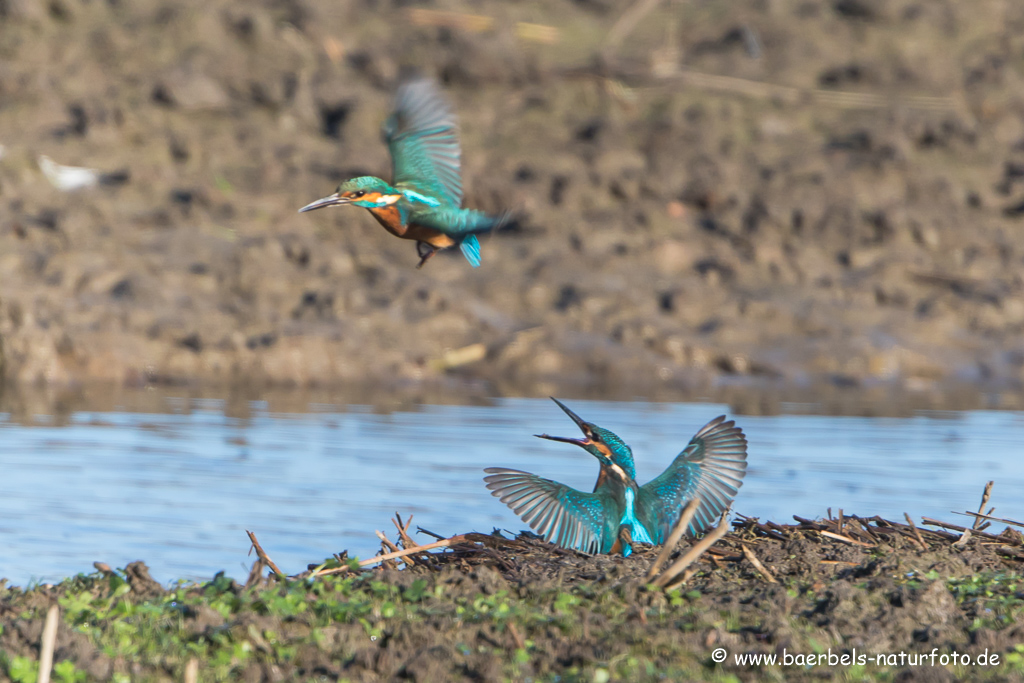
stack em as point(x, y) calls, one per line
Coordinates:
point(425, 251)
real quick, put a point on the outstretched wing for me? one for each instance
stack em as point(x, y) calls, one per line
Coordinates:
point(423, 138)
point(710, 468)
point(562, 515)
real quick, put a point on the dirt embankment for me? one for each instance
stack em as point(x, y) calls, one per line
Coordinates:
point(501, 609)
point(856, 221)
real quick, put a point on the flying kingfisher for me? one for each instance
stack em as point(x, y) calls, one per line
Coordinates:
point(425, 202)
point(619, 511)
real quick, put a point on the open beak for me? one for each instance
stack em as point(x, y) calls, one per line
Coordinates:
point(333, 200)
point(563, 439)
point(575, 418)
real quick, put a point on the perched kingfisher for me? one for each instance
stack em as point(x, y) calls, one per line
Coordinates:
point(425, 202)
point(619, 512)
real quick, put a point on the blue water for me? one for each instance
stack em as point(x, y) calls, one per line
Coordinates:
point(178, 490)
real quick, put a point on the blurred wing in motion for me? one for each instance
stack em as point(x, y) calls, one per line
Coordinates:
point(423, 138)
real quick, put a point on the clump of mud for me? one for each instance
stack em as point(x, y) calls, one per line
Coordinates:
point(494, 608)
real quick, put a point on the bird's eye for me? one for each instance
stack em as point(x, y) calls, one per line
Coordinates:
point(595, 437)
point(358, 194)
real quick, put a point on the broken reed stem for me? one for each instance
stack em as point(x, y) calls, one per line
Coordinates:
point(964, 537)
point(388, 545)
point(687, 575)
point(839, 524)
point(673, 538)
point(761, 569)
point(520, 643)
point(845, 539)
point(408, 551)
point(917, 534)
point(984, 501)
point(391, 547)
point(403, 531)
point(956, 527)
point(980, 516)
point(694, 553)
point(263, 556)
point(48, 644)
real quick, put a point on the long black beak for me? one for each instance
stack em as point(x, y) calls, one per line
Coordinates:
point(563, 439)
point(332, 200)
point(575, 418)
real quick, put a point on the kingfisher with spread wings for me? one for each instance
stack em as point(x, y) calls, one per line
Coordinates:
point(424, 203)
point(620, 511)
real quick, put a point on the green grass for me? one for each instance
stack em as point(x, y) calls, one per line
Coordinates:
point(583, 632)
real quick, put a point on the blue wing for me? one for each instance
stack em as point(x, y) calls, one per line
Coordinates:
point(423, 138)
point(455, 222)
point(710, 468)
point(562, 515)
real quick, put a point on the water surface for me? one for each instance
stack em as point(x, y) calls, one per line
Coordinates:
point(179, 489)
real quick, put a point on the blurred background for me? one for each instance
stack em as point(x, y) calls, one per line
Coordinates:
point(759, 204)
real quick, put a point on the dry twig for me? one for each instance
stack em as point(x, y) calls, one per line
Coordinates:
point(761, 569)
point(956, 527)
point(917, 534)
point(48, 644)
point(263, 556)
point(520, 643)
point(845, 539)
point(673, 538)
point(1001, 520)
point(694, 553)
point(984, 501)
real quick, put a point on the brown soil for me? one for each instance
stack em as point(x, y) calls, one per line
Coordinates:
point(672, 228)
point(503, 609)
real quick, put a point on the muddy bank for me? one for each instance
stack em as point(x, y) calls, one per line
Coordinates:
point(855, 223)
point(504, 609)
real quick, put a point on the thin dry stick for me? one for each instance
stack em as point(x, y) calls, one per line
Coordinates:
point(385, 542)
point(673, 538)
point(994, 519)
point(687, 575)
point(840, 523)
point(956, 527)
point(845, 539)
point(255, 572)
point(695, 551)
point(966, 536)
point(762, 570)
point(520, 643)
point(47, 646)
point(984, 501)
point(917, 534)
point(393, 548)
point(263, 556)
point(402, 553)
point(192, 671)
point(403, 531)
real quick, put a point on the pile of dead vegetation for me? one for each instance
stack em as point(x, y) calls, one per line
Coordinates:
point(489, 607)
